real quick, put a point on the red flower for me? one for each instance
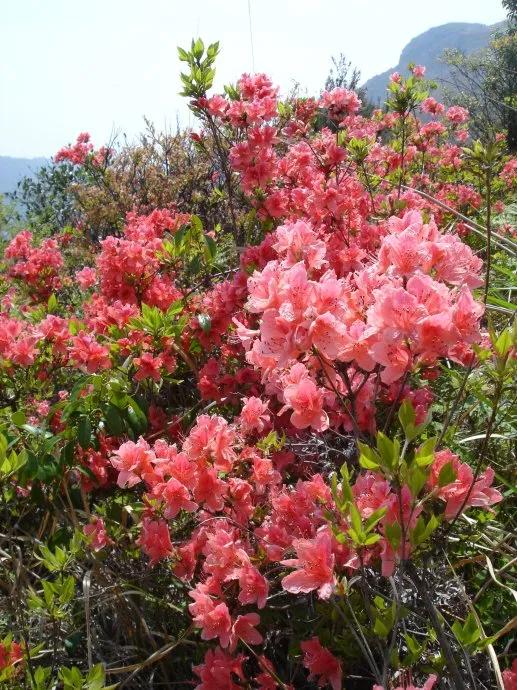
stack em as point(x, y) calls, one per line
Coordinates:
point(322, 664)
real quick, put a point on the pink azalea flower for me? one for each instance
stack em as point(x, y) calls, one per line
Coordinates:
point(264, 474)
point(463, 492)
point(88, 355)
point(394, 357)
point(254, 415)
point(155, 540)
point(217, 105)
point(254, 587)
point(210, 490)
point(435, 334)
point(322, 664)
point(298, 241)
point(24, 351)
point(430, 105)
point(211, 616)
point(211, 441)
point(314, 564)
point(510, 677)
point(329, 335)
point(43, 408)
point(86, 277)
point(148, 367)
point(133, 460)
point(357, 346)
point(340, 102)
point(305, 399)
point(97, 535)
point(176, 497)
point(218, 670)
point(244, 629)
point(457, 115)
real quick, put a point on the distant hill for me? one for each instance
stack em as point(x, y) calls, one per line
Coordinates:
point(13, 169)
point(427, 48)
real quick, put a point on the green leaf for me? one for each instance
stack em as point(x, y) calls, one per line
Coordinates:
point(96, 678)
point(469, 633)
point(503, 344)
point(499, 302)
point(48, 593)
point(368, 459)
point(52, 303)
point(424, 456)
point(380, 627)
point(447, 474)
point(18, 418)
point(471, 630)
point(271, 442)
point(136, 416)
point(183, 55)
point(407, 415)
point(67, 590)
point(48, 468)
point(212, 50)
point(211, 245)
point(372, 539)
point(388, 450)
point(67, 453)
point(84, 432)
point(175, 308)
point(115, 425)
point(368, 464)
point(356, 519)
point(374, 519)
point(354, 536)
point(421, 531)
point(416, 479)
point(457, 629)
point(196, 224)
point(433, 523)
point(346, 489)
point(198, 48)
point(3, 445)
point(393, 535)
point(10, 465)
point(35, 430)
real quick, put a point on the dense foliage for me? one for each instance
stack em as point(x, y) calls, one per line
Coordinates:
point(257, 401)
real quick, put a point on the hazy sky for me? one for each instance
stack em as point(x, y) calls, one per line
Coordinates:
point(100, 65)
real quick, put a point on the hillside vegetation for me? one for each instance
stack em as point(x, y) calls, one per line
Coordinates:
point(257, 400)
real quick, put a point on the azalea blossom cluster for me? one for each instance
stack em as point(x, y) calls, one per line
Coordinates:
point(36, 266)
point(257, 103)
point(389, 315)
point(285, 169)
point(127, 272)
point(349, 304)
point(230, 557)
point(83, 151)
point(129, 266)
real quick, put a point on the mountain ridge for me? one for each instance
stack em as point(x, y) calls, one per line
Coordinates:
point(427, 48)
point(13, 169)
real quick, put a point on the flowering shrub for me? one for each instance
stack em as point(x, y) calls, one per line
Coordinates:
point(266, 437)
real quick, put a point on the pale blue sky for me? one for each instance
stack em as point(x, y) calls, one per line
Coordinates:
point(100, 65)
